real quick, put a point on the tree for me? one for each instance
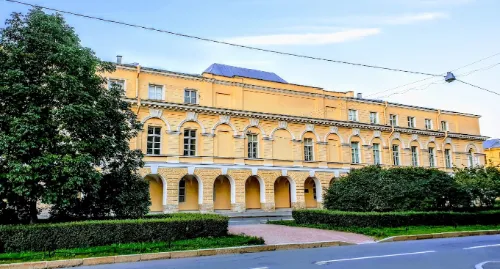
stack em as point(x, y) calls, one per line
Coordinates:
point(64, 137)
point(478, 186)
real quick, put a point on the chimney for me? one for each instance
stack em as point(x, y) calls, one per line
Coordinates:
point(118, 59)
point(360, 95)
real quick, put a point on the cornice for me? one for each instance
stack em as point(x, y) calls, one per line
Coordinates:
point(297, 119)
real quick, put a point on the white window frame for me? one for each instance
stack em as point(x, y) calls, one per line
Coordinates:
point(376, 153)
point(188, 141)
point(355, 154)
point(308, 149)
point(447, 158)
point(428, 124)
point(253, 146)
point(119, 81)
point(353, 115)
point(445, 125)
point(470, 158)
point(191, 97)
point(373, 117)
point(411, 122)
point(414, 155)
point(182, 191)
point(393, 120)
point(432, 156)
point(156, 86)
point(155, 143)
point(395, 155)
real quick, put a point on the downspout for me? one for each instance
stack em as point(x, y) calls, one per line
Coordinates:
point(138, 67)
point(443, 147)
point(385, 113)
point(438, 123)
point(391, 158)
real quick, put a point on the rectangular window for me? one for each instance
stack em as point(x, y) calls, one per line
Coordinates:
point(444, 126)
point(190, 96)
point(432, 157)
point(308, 149)
point(411, 122)
point(118, 82)
point(373, 117)
point(353, 115)
point(376, 153)
point(189, 142)
point(154, 140)
point(182, 191)
point(354, 152)
point(447, 158)
point(155, 92)
point(253, 146)
point(393, 120)
point(428, 124)
point(395, 154)
point(414, 155)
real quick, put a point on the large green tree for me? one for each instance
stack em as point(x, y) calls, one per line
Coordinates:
point(64, 137)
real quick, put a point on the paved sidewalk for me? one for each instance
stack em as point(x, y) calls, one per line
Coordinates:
point(278, 234)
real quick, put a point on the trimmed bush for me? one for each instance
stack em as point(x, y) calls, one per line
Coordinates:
point(394, 219)
point(166, 228)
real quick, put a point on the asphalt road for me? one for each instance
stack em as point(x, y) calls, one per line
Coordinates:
point(454, 253)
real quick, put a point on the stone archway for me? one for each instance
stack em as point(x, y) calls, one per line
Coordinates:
point(252, 193)
point(188, 193)
point(155, 192)
point(282, 193)
point(222, 193)
point(310, 194)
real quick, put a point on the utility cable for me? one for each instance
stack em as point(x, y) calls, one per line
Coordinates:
point(222, 42)
point(475, 86)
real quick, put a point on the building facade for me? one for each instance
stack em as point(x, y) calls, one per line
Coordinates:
point(237, 139)
point(492, 151)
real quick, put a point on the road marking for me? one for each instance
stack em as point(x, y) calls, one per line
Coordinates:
point(485, 246)
point(480, 265)
point(260, 268)
point(373, 257)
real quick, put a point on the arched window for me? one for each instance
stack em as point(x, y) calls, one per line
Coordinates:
point(470, 157)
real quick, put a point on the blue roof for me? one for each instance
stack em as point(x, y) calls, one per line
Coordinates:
point(492, 143)
point(232, 71)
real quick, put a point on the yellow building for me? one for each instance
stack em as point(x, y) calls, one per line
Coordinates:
point(492, 150)
point(237, 139)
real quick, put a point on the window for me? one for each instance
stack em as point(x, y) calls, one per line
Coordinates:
point(414, 155)
point(154, 138)
point(447, 158)
point(119, 82)
point(393, 120)
point(395, 154)
point(444, 126)
point(155, 92)
point(470, 158)
point(432, 157)
point(373, 117)
point(308, 149)
point(253, 146)
point(189, 142)
point(190, 96)
point(182, 191)
point(353, 115)
point(428, 124)
point(411, 122)
point(376, 153)
point(355, 152)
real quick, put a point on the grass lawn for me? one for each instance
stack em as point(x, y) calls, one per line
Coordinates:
point(132, 248)
point(380, 233)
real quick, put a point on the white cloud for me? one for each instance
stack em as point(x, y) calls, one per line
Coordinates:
point(414, 18)
point(306, 38)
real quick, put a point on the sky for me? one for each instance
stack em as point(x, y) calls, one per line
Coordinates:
point(430, 36)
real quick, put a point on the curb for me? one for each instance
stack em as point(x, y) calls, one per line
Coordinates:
point(437, 235)
point(169, 255)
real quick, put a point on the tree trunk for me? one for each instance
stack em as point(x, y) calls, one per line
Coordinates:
point(33, 212)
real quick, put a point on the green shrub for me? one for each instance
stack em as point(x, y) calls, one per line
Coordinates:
point(44, 237)
point(373, 188)
point(394, 219)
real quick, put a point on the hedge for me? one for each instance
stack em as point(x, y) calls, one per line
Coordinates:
point(52, 236)
point(394, 219)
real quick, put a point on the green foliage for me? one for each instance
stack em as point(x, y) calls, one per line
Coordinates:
point(373, 188)
point(44, 237)
point(394, 219)
point(59, 122)
point(478, 186)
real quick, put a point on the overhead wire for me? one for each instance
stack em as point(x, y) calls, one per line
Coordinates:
point(221, 42)
point(481, 88)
